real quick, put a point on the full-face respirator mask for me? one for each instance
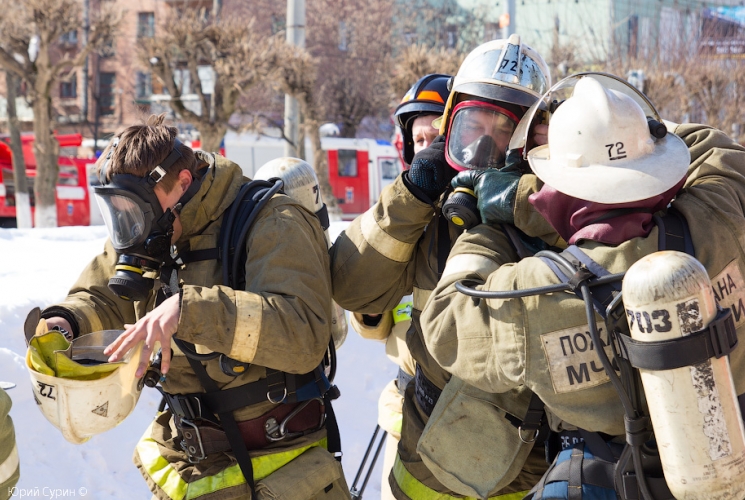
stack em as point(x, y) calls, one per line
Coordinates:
point(139, 229)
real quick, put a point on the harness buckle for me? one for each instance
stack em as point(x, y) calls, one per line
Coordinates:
point(181, 406)
point(189, 441)
point(279, 432)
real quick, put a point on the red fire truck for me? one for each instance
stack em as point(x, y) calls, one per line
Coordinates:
point(73, 195)
point(358, 168)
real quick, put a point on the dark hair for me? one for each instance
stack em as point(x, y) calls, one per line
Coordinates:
point(143, 147)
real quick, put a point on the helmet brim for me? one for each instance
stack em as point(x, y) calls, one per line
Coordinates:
point(408, 110)
point(501, 93)
point(635, 180)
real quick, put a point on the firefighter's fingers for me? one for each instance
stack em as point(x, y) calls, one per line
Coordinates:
point(151, 338)
point(165, 349)
point(124, 342)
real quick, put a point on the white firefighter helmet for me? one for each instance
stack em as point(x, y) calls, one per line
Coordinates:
point(300, 181)
point(76, 389)
point(301, 184)
point(601, 149)
point(542, 110)
point(496, 83)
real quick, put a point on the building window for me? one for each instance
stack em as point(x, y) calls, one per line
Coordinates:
point(343, 36)
point(106, 101)
point(451, 36)
point(68, 88)
point(69, 38)
point(388, 168)
point(278, 24)
point(347, 163)
point(107, 49)
point(143, 85)
point(145, 24)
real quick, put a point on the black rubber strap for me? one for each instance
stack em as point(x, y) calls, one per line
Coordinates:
point(333, 435)
point(533, 419)
point(716, 340)
point(674, 233)
point(229, 425)
point(602, 295)
point(276, 386)
point(198, 255)
point(323, 217)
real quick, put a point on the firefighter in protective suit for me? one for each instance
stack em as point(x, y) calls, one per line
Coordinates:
point(10, 470)
point(399, 246)
point(597, 183)
point(421, 105)
point(240, 368)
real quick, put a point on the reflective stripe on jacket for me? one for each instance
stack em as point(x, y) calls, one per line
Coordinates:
point(165, 476)
point(418, 491)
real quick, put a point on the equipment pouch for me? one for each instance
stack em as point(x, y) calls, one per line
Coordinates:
point(469, 445)
point(315, 474)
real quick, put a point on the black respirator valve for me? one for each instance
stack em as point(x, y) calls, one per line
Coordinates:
point(232, 367)
point(461, 209)
point(129, 282)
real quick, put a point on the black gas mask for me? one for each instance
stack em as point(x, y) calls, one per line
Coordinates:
point(139, 229)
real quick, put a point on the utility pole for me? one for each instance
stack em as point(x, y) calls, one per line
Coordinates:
point(295, 36)
point(83, 43)
point(509, 27)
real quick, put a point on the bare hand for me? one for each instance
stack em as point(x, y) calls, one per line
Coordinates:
point(159, 325)
point(60, 322)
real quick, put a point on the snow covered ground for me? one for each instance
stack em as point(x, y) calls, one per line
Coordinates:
point(37, 267)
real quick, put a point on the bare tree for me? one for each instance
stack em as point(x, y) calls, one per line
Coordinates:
point(352, 41)
point(193, 46)
point(416, 61)
point(298, 78)
point(29, 34)
point(695, 79)
point(20, 184)
point(445, 24)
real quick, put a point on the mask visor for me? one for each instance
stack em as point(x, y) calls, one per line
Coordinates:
point(479, 135)
point(124, 219)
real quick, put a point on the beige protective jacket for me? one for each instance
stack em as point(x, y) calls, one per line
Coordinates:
point(281, 321)
point(542, 341)
point(388, 252)
point(10, 470)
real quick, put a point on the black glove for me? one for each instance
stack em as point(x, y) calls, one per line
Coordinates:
point(495, 191)
point(430, 172)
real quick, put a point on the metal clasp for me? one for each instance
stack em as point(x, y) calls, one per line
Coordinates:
point(274, 433)
point(190, 449)
point(528, 440)
point(276, 402)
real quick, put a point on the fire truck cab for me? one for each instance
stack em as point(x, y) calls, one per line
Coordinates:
point(73, 194)
point(358, 168)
